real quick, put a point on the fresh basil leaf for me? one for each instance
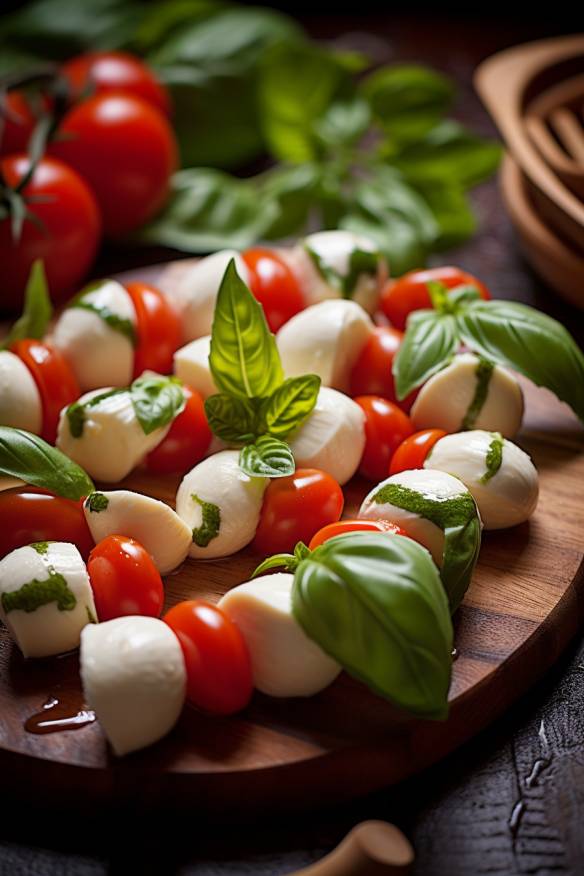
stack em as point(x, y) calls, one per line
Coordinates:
point(32, 460)
point(162, 21)
point(430, 341)
point(268, 457)
point(244, 359)
point(285, 195)
point(116, 322)
point(37, 308)
point(528, 341)
point(232, 419)
point(289, 562)
point(450, 208)
point(343, 123)
point(377, 606)
point(290, 404)
point(156, 401)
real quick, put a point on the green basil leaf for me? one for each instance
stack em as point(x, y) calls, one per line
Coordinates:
point(376, 604)
point(430, 340)
point(344, 122)
point(528, 341)
point(290, 404)
point(244, 359)
point(289, 562)
point(161, 22)
point(286, 194)
point(156, 401)
point(32, 460)
point(37, 308)
point(450, 208)
point(232, 419)
point(268, 457)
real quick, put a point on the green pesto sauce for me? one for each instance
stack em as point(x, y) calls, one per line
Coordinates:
point(210, 524)
point(96, 502)
point(494, 457)
point(36, 593)
point(445, 513)
point(483, 374)
point(115, 321)
point(41, 547)
point(90, 615)
point(76, 412)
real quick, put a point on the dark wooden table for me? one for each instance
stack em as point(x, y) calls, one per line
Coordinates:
point(509, 802)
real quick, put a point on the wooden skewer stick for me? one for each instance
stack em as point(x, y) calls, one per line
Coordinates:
point(372, 848)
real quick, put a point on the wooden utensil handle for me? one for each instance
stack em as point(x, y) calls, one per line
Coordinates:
point(373, 848)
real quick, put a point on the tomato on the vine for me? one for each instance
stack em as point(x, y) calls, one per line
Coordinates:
point(219, 677)
point(345, 526)
point(124, 579)
point(386, 426)
point(17, 123)
point(158, 328)
point(412, 452)
point(187, 440)
point(274, 285)
point(29, 514)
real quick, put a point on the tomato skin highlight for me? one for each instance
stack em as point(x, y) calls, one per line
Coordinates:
point(124, 579)
point(158, 328)
point(410, 292)
point(187, 440)
point(412, 452)
point(345, 526)
point(386, 426)
point(219, 677)
point(295, 508)
point(273, 285)
point(29, 514)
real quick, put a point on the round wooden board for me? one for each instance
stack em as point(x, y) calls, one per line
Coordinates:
point(525, 603)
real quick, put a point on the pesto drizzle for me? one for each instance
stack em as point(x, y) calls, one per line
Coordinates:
point(483, 374)
point(41, 547)
point(37, 593)
point(494, 457)
point(96, 502)
point(210, 524)
point(451, 511)
point(118, 323)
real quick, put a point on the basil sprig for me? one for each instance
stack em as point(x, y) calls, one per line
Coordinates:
point(256, 407)
point(361, 262)
point(37, 308)
point(32, 460)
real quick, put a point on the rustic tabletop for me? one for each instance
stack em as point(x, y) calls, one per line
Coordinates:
point(512, 800)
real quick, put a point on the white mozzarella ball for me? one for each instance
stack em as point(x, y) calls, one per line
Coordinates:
point(20, 402)
point(134, 678)
point(445, 399)
point(506, 498)
point(152, 523)
point(217, 494)
point(285, 662)
point(45, 598)
point(191, 365)
point(325, 339)
point(98, 353)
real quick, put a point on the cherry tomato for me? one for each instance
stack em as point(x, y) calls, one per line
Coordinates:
point(400, 297)
point(124, 579)
point(218, 665)
point(386, 426)
point(295, 508)
point(65, 231)
point(29, 514)
point(274, 285)
point(17, 123)
point(159, 329)
point(187, 440)
point(344, 526)
point(54, 378)
point(126, 151)
point(412, 452)
point(103, 72)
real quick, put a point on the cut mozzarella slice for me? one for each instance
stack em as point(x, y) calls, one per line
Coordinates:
point(98, 353)
point(505, 498)
point(467, 394)
point(220, 504)
point(325, 339)
point(112, 442)
point(45, 598)
point(154, 524)
point(285, 662)
point(195, 294)
point(332, 438)
point(191, 365)
point(134, 678)
point(20, 401)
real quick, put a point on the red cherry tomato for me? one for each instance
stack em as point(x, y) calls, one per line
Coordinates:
point(17, 123)
point(103, 72)
point(218, 665)
point(400, 297)
point(65, 233)
point(28, 514)
point(412, 452)
point(54, 378)
point(295, 508)
point(187, 440)
point(126, 151)
point(158, 327)
point(124, 579)
point(344, 526)
point(274, 286)
point(371, 374)
point(386, 426)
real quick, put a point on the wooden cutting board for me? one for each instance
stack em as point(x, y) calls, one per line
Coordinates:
point(525, 603)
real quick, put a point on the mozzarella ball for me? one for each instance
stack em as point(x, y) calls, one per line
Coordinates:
point(134, 678)
point(446, 398)
point(220, 504)
point(45, 598)
point(325, 339)
point(191, 365)
point(332, 438)
point(285, 662)
point(98, 353)
point(20, 402)
point(507, 497)
point(154, 524)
